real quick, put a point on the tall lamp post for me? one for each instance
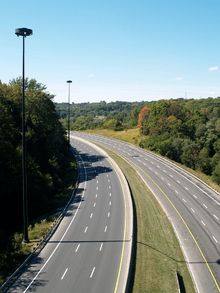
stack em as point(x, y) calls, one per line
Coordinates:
point(24, 32)
point(69, 82)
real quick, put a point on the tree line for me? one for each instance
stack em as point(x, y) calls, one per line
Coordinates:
point(186, 131)
point(48, 159)
point(115, 115)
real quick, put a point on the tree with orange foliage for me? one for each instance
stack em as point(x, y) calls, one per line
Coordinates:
point(143, 120)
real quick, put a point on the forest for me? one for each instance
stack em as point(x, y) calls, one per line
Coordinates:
point(48, 159)
point(184, 130)
point(115, 115)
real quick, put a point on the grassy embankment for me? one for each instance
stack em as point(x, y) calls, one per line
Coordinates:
point(157, 251)
point(17, 250)
point(133, 136)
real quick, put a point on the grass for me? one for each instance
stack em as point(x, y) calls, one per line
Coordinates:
point(133, 136)
point(157, 251)
point(17, 251)
point(129, 135)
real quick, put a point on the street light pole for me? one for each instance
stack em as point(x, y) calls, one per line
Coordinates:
point(69, 82)
point(24, 32)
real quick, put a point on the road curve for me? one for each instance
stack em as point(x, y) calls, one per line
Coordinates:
point(91, 249)
point(192, 207)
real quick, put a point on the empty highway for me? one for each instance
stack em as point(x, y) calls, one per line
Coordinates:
point(192, 207)
point(90, 250)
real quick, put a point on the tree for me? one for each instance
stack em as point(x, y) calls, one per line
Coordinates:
point(204, 161)
point(28, 84)
point(143, 120)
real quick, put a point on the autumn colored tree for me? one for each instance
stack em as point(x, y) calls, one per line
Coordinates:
point(143, 120)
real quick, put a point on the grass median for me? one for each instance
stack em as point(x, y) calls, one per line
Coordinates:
point(158, 255)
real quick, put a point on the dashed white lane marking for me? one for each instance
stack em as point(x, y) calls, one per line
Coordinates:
point(164, 171)
point(97, 181)
point(96, 195)
point(100, 249)
point(203, 223)
point(193, 210)
point(109, 187)
point(176, 192)
point(108, 214)
point(171, 176)
point(215, 239)
point(205, 206)
point(216, 217)
point(178, 181)
point(77, 248)
point(92, 272)
point(85, 229)
point(94, 204)
point(186, 188)
point(156, 173)
point(106, 228)
point(64, 274)
point(91, 215)
point(194, 195)
point(162, 178)
point(169, 184)
point(97, 188)
point(184, 199)
point(110, 194)
point(110, 203)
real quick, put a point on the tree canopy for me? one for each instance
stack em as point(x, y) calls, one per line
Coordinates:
point(47, 155)
point(187, 131)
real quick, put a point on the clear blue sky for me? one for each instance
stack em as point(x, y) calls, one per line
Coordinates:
point(115, 49)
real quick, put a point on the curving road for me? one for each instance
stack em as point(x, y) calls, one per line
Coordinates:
point(192, 207)
point(90, 250)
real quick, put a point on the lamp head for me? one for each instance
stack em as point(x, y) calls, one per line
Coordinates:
point(23, 32)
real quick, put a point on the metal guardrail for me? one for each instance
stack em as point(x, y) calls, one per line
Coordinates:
point(54, 226)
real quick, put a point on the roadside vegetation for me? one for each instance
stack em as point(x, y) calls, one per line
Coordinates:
point(49, 164)
point(157, 253)
point(186, 131)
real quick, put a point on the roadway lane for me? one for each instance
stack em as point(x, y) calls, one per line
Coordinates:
point(86, 252)
point(192, 207)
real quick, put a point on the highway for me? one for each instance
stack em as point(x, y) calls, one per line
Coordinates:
point(191, 206)
point(90, 250)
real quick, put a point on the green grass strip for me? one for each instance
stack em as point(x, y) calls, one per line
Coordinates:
point(157, 251)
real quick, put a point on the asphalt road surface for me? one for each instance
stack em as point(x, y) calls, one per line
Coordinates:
point(88, 251)
point(192, 207)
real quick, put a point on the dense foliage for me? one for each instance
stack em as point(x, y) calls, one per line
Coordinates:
point(114, 115)
point(186, 131)
point(47, 155)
